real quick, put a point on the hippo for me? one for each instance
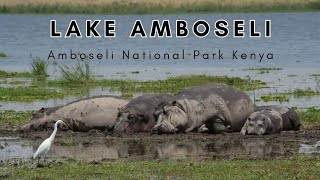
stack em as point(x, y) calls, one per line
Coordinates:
point(83, 115)
point(266, 121)
point(137, 116)
point(290, 118)
point(221, 108)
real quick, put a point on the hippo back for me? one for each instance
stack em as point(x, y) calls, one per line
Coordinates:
point(238, 102)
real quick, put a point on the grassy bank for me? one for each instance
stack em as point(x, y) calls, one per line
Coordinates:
point(298, 167)
point(155, 7)
point(28, 94)
point(169, 85)
point(310, 117)
point(11, 119)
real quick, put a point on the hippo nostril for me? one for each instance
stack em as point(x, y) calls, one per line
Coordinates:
point(154, 131)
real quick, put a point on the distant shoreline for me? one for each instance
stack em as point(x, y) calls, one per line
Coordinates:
point(155, 7)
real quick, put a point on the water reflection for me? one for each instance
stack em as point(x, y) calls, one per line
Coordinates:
point(254, 148)
point(17, 148)
point(310, 148)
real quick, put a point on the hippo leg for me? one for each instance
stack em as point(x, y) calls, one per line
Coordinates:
point(244, 128)
point(203, 129)
point(216, 126)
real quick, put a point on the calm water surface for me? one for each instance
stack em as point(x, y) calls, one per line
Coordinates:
point(25, 35)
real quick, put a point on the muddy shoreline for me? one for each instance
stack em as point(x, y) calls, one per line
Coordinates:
point(96, 146)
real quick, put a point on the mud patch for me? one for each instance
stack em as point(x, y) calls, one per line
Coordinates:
point(95, 146)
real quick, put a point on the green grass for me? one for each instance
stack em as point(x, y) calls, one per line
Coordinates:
point(298, 167)
point(80, 73)
point(274, 98)
point(310, 117)
point(4, 74)
point(3, 55)
point(39, 67)
point(157, 7)
point(170, 85)
point(28, 94)
point(315, 75)
point(10, 119)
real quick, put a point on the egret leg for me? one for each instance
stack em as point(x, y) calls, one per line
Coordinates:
point(44, 160)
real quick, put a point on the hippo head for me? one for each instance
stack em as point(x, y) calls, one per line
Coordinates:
point(257, 124)
point(294, 119)
point(131, 122)
point(170, 119)
point(40, 120)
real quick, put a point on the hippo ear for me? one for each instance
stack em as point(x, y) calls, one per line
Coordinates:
point(174, 103)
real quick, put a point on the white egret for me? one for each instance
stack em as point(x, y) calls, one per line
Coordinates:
point(45, 145)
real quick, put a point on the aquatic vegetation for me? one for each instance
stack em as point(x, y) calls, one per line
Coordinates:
point(262, 69)
point(155, 7)
point(80, 73)
point(170, 85)
point(301, 92)
point(315, 75)
point(28, 94)
point(135, 72)
point(263, 72)
point(3, 55)
point(39, 67)
point(4, 74)
point(277, 168)
point(292, 75)
point(275, 98)
point(310, 117)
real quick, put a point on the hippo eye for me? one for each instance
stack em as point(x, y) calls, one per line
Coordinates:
point(249, 119)
point(260, 125)
point(130, 116)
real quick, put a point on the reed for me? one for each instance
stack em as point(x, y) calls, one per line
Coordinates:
point(39, 67)
point(80, 73)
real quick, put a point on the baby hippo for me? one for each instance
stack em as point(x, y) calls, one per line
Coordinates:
point(267, 121)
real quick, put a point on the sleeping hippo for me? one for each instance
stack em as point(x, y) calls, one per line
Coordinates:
point(290, 118)
point(82, 115)
point(219, 107)
point(266, 121)
point(271, 119)
point(137, 116)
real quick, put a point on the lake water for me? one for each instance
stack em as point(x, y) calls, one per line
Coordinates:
point(25, 35)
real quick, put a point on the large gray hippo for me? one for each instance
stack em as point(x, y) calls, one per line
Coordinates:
point(219, 107)
point(137, 116)
point(271, 119)
point(82, 115)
